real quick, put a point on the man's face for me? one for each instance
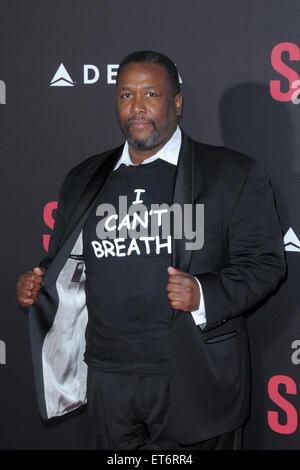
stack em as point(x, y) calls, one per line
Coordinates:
point(146, 106)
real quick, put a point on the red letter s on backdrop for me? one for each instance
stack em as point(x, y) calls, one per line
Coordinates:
point(49, 221)
point(291, 412)
point(283, 69)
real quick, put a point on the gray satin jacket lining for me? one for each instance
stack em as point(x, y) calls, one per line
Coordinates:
point(64, 371)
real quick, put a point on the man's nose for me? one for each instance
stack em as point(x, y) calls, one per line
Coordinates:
point(138, 105)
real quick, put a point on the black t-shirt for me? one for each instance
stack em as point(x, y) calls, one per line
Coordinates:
point(129, 311)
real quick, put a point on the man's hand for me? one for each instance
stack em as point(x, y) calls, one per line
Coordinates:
point(29, 285)
point(183, 291)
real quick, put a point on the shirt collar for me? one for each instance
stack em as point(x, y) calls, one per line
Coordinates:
point(169, 153)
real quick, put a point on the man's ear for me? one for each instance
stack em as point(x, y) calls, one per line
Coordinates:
point(178, 104)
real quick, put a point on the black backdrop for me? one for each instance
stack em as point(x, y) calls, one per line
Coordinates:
point(238, 60)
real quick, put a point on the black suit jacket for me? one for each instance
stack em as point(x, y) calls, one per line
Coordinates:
point(242, 260)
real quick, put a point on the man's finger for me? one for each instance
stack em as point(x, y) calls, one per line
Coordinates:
point(39, 271)
point(174, 296)
point(36, 279)
point(29, 293)
point(31, 276)
point(26, 301)
point(30, 285)
point(173, 287)
point(176, 304)
point(172, 271)
point(176, 279)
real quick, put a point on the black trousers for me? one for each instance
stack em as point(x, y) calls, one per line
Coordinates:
point(131, 412)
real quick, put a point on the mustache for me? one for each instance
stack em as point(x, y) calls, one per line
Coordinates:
point(127, 124)
point(128, 121)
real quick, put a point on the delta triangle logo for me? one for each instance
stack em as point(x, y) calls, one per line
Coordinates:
point(291, 241)
point(61, 77)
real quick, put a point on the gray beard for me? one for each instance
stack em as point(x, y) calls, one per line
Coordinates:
point(144, 144)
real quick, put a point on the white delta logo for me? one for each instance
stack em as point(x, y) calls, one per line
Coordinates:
point(291, 241)
point(91, 74)
point(2, 352)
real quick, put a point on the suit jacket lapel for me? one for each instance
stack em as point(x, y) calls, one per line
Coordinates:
point(188, 184)
point(91, 191)
point(183, 194)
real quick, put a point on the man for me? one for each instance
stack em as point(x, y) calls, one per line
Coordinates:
point(166, 342)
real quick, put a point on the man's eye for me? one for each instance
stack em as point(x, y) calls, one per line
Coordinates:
point(151, 94)
point(126, 95)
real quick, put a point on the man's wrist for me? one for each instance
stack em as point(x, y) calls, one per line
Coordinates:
point(199, 315)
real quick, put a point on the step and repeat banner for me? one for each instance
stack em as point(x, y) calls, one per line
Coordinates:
point(239, 62)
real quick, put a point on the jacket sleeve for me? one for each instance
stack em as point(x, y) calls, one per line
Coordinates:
point(256, 253)
point(59, 224)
